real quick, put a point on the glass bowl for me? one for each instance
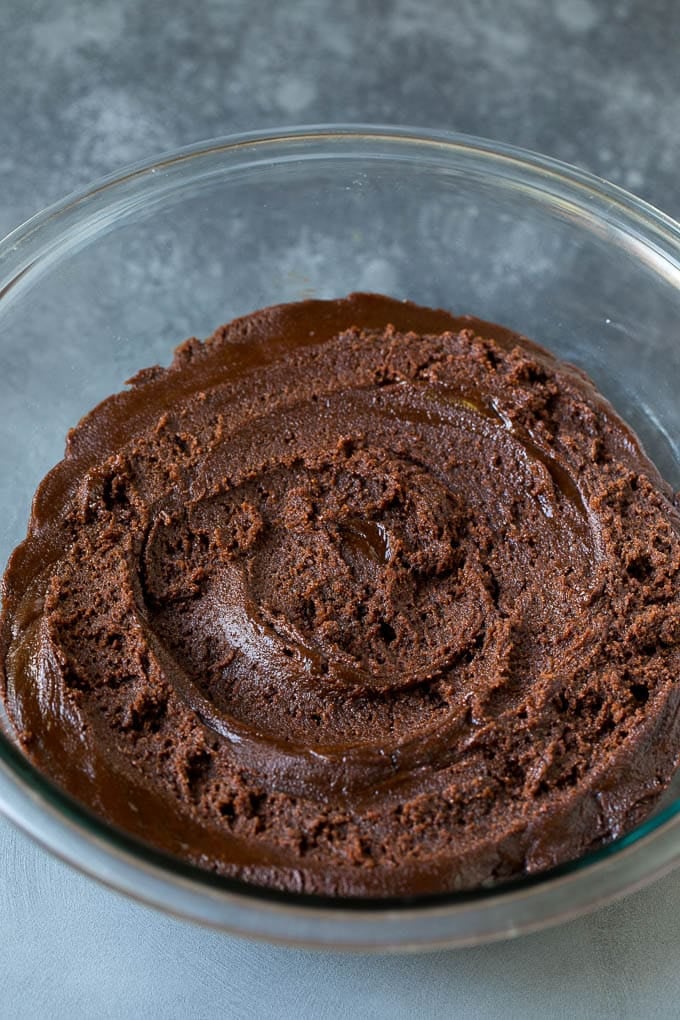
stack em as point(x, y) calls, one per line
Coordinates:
point(109, 281)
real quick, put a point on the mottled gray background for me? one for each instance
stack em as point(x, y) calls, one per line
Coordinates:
point(88, 86)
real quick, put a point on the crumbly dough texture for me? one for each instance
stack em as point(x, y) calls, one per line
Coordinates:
point(356, 598)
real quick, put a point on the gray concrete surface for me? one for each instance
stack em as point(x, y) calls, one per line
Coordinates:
point(88, 86)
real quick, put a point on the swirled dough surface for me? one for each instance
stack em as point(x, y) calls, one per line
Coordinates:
point(355, 598)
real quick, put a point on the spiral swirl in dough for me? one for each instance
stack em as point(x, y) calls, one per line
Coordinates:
point(355, 598)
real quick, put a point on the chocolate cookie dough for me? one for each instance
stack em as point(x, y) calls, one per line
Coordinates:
point(355, 598)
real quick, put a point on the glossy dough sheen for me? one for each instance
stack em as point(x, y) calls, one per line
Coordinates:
point(355, 598)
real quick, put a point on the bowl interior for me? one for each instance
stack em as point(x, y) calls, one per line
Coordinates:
point(118, 279)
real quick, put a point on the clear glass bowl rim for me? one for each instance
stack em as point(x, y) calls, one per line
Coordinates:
point(85, 841)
